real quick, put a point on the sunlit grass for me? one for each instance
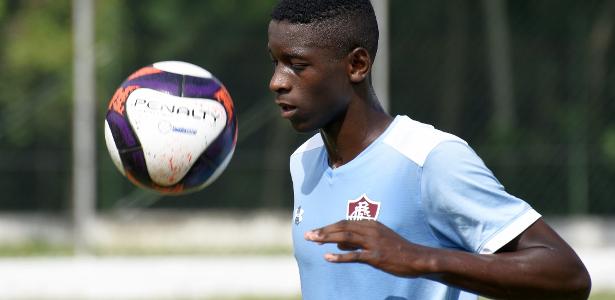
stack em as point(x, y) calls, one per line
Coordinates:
point(602, 296)
point(34, 248)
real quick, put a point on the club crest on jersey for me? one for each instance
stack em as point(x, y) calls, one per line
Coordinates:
point(362, 208)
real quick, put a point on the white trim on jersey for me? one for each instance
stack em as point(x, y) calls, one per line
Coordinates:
point(509, 232)
point(415, 140)
point(314, 142)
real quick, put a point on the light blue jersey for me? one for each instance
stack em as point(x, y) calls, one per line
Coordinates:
point(426, 185)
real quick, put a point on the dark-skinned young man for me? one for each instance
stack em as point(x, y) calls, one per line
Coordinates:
point(387, 207)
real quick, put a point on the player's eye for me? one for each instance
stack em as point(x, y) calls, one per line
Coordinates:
point(298, 67)
point(272, 59)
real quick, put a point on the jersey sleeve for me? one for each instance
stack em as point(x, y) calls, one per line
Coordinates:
point(466, 206)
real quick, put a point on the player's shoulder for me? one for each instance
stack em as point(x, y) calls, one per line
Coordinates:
point(315, 142)
point(416, 140)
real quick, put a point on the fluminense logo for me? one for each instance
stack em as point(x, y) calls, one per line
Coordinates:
point(362, 208)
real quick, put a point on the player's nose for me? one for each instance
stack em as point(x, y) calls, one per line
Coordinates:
point(279, 83)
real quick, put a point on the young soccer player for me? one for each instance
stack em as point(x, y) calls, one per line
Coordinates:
point(421, 215)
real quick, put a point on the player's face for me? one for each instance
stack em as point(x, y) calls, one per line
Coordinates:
point(311, 84)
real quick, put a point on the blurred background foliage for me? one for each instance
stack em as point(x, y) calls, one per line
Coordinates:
point(554, 146)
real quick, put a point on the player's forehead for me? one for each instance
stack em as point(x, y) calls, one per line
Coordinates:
point(287, 35)
point(300, 40)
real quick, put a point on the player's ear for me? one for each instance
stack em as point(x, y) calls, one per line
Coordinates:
point(359, 64)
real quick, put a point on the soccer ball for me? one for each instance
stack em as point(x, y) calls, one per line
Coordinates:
point(171, 127)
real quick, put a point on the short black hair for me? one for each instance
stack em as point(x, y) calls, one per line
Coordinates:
point(345, 24)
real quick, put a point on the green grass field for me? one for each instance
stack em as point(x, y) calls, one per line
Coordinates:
point(602, 296)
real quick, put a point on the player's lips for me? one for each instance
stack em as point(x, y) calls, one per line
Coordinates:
point(286, 109)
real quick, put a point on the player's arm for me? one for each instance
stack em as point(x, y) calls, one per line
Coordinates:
point(537, 264)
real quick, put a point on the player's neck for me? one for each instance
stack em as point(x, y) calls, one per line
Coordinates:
point(346, 138)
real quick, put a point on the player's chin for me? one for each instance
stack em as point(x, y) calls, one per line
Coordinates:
point(302, 125)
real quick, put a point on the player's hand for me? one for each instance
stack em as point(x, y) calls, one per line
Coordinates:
point(372, 243)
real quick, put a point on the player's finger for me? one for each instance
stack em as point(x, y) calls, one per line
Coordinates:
point(348, 247)
point(359, 227)
point(348, 237)
point(354, 256)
